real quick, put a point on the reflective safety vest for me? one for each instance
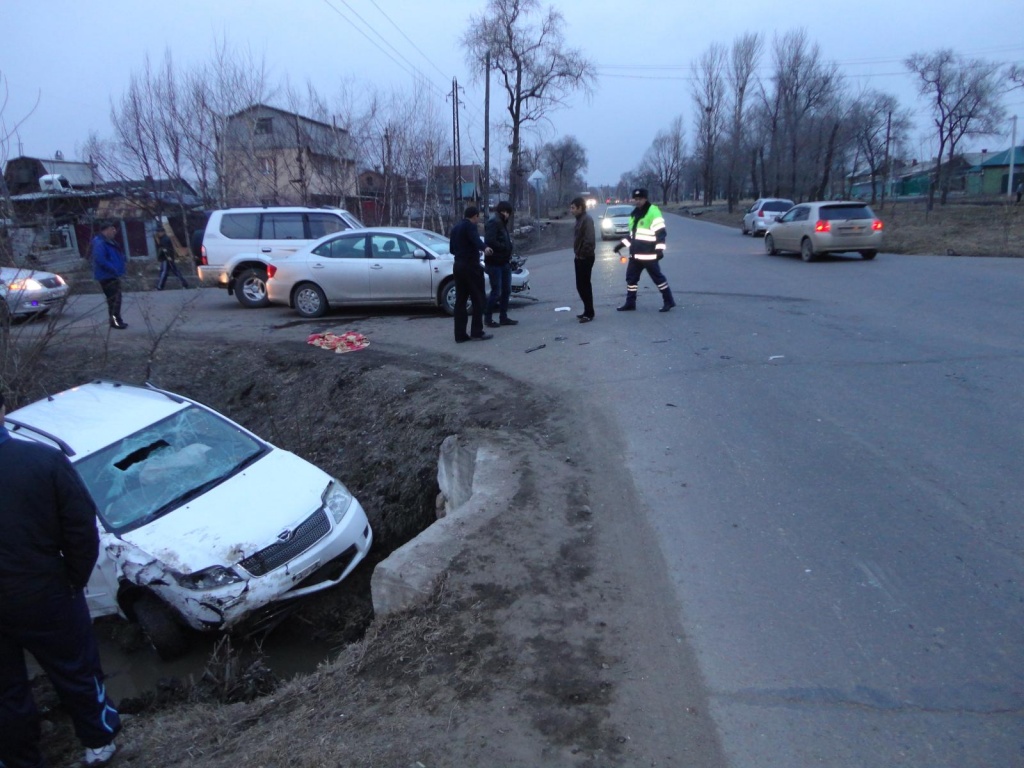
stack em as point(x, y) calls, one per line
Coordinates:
point(646, 239)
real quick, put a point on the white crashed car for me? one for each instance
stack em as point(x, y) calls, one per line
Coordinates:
point(202, 524)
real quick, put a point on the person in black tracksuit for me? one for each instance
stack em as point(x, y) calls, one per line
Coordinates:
point(466, 245)
point(48, 547)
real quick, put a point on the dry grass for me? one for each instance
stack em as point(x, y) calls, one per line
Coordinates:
point(956, 229)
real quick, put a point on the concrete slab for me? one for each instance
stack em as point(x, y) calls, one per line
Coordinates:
point(478, 479)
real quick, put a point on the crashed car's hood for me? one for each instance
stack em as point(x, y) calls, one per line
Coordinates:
point(237, 518)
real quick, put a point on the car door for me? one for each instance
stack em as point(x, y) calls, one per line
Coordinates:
point(340, 267)
point(281, 233)
point(787, 231)
point(396, 273)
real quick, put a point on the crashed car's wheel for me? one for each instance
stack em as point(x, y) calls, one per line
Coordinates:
point(807, 250)
point(868, 255)
point(309, 300)
point(161, 627)
point(769, 245)
point(251, 289)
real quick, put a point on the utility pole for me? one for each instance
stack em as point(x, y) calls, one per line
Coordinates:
point(1013, 156)
point(487, 133)
point(456, 150)
point(885, 164)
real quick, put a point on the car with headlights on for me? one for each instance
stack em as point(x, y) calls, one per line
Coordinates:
point(202, 524)
point(400, 266)
point(814, 229)
point(763, 213)
point(31, 292)
point(614, 223)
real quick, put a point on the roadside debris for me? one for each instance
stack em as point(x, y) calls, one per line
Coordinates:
point(349, 341)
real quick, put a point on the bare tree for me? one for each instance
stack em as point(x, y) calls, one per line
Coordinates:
point(964, 96)
point(877, 123)
point(565, 160)
point(807, 87)
point(709, 102)
point(536, 68)
point(740, 75)
point(664, 159)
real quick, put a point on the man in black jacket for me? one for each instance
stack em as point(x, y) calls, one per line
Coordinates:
point(499, 265)
point(48, 549)
point(584, 249)
point(466, 246)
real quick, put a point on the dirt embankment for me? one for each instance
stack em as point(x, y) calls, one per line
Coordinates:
point(506, 652)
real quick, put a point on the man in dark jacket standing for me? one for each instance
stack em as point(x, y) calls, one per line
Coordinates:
point(584, 248)
point(466, 245)
point(498, 265)
point(47, 552)
point(108, 265)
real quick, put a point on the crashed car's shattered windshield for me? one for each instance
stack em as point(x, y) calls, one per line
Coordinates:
point(148, 474)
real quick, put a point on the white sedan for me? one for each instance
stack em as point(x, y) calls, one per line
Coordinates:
point(31, 292)
point(384, 265)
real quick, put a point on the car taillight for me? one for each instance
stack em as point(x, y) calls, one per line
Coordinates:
point(202, 256)
point(876, 225)
point(823, 226)
point(271, 270)
point(760, 214)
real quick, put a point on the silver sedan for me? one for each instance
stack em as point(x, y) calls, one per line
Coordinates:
point(31, 292)
point(383, 265)
point(813, 229)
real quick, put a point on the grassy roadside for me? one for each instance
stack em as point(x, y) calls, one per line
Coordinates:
point(956, 229)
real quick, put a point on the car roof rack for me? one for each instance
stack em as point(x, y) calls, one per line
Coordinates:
point(66, 449)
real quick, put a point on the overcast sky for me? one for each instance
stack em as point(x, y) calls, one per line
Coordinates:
point(76, 56)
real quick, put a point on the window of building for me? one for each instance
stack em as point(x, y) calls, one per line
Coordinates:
point(266, 166)
point(264, 125)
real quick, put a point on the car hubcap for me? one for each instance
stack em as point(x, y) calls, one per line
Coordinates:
point(254, 290)
point(307, 302)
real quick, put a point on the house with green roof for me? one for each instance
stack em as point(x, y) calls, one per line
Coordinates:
point(992, 175)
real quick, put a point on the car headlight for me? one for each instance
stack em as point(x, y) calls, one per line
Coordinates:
point(25, 284)
point(606, 224)
point(209, 578)
point(337, 500)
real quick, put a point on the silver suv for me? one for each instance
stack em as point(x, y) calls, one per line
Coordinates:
point(239, 243)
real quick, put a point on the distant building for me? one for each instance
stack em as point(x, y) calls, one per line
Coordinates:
point(23, 174)
point(275, 157)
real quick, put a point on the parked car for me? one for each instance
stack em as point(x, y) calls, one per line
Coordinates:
point(812, 229)
point(380, 265)
point(615, 222)
point(31, 292)
point(238, 243)
point(202, 523)
point(763, 213)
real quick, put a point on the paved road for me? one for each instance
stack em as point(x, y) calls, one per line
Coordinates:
point(828, 459)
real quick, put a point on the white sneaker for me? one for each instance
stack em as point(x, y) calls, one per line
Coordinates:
point(99, 756)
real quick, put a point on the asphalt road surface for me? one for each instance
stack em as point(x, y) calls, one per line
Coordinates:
point(828, 463)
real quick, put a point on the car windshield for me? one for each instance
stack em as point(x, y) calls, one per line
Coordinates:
point(619, 210)
point(834, 212)
point(777, 205)
point(159, 468)
point(435, 242)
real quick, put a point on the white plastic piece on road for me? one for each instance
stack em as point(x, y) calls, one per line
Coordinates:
point(563, 309)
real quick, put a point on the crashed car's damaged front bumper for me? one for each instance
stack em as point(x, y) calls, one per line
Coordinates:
point(307, 561)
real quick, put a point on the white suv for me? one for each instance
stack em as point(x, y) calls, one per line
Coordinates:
point(239, 243)
point(202, 524)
